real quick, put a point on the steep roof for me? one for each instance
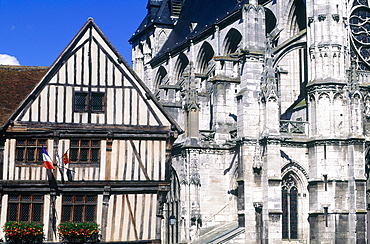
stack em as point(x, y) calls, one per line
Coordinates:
point(16, 82)
point(90, 37)
point(200, 14)
point(159, 13)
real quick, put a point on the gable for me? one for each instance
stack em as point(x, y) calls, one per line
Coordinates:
point(90, 68)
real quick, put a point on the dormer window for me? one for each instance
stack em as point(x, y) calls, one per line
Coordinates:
point(93, 102)
point(176, 8)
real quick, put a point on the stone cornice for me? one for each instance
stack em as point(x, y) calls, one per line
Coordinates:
point(335, 142)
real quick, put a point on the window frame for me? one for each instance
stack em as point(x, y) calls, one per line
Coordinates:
point(30, 203)
point(26, 148)
point(77, 155)
point(89, 105)
point(289, 199)
point(76, 106)
point(74, 204)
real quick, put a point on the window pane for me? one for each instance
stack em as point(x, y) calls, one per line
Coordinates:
point(39, 153)
point(67, 198)
point(74, 143)
point(80, 101)
point(293, 213)
point(30, 155)
point(25, 208)
point(73, 154)
point(26, 198)
point(85, 143)
point(90, 198)
point(13, 197)
point(67, 213)
point(20, 154)
point(21, 142)
point(36, 213)
point(37, 198)
point(285, 228)
point(97, 102)
point(13, 210)
point(79, 199)
point(95, 155)
point(90, 214)
point(84, 154)
point(78, 214)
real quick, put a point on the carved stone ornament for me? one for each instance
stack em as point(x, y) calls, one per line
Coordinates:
point(258, 206)
point(310, 20)
point(321, 17)
point(335, 17)
point(359, 23)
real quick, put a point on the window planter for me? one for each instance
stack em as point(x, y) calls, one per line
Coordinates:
point(23, 233)
point(79, 232)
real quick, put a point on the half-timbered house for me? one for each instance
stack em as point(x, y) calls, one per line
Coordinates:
point(92, 105)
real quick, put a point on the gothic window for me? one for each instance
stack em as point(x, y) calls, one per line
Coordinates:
point(84, 151)
point(290, 208)
point(25, 208)
point(29, 150)
point(79, 208)
point(162, 37)
point(93, 103)
point(359, 23)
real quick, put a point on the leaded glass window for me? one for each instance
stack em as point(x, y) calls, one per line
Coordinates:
point(79, 208)
point(84, 151)
point(97, 102)
point(25, 208)
point(89, 102)
point(30, 150)
point(81, 101)
point(289, 196)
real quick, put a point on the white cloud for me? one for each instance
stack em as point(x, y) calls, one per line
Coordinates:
point(6, 59)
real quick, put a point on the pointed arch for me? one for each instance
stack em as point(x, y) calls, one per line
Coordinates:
point(205, 55)
point(162, 37)
point(270, 20)
point(356, 111)
point(312, 114)
point(181, 63)
point(297, 17)
point(289, 198)
point(323, 117)
point(367, 106)
point(173, 208)
point(339, 112)
point(146, 46)
point(232, 41)
point(160, 77)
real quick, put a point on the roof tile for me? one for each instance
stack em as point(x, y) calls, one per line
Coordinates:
point(16, 83)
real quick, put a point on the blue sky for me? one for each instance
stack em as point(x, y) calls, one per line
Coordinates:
point(35, 32)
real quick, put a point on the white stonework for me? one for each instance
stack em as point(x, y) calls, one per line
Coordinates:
point(274, 100)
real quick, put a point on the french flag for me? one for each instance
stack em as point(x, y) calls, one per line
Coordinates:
point(48, 163)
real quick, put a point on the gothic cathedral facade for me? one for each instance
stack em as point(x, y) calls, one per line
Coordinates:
point(274, 99)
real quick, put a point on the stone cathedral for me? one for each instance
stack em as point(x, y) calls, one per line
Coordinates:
point(274, 99)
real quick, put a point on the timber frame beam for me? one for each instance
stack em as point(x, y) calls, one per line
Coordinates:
point(94, 187)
